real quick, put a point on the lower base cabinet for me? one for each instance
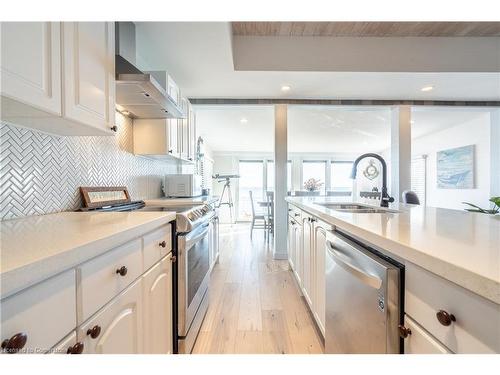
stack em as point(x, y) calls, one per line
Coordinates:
point(117, 329)
point(157, 288)
point(419, 341)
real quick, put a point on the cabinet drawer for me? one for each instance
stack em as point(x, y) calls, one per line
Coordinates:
point(45, 312)
point(156, 245)
point(420, 341)
point(476, 328)
point(295, 213)
point(101, 280)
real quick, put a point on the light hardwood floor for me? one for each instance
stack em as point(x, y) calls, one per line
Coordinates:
point(255, 304)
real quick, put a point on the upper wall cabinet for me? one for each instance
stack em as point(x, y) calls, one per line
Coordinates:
point(31, 64)
point(58, 77)
point(89, 58)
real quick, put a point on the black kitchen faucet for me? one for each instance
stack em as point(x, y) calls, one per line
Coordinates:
point(385, 198)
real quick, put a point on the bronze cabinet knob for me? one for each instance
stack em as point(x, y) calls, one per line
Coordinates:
point(162, 244)
point(15, 343)
point(403, 331)
point(445, 318)
point(173, 259)
point(76, 349)
point(122, 271)
point(94, 332)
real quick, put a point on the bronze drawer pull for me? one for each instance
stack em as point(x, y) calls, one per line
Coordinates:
point(122, 271)
point(445, 318)
point(15, 343)
point(94, 332)
point(403, 331)
point(76, 349)
point(162, 244)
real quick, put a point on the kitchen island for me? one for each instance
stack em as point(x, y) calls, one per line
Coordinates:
point(451, 260)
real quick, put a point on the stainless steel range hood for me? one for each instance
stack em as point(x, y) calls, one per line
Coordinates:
point(140, 94)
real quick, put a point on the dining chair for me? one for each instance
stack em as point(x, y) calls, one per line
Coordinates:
point(257, 217)
point(410, 197)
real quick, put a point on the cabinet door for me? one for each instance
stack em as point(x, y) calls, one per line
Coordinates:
point(118, 325)
point(291, 244)
point(307, 232)
point(319, 275)
point(191, 134)
point(157, 284)
point(31, 64)
point(299, 254)
point(173, 138)
point(89, 74)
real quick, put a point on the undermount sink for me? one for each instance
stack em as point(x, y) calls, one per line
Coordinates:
point(356, 208)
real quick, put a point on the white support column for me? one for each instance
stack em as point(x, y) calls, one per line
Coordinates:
point(400, 151)
point(495, 152)
point(280, 188)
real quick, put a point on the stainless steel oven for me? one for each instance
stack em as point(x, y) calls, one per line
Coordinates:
point(193, 277)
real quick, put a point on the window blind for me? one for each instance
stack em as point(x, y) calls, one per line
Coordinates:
point(418, 176)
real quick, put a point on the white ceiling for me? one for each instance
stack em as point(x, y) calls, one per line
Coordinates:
point(199, 57)
point(318, 129)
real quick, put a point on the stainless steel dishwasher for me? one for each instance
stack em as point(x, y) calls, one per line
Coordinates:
point(363, 299)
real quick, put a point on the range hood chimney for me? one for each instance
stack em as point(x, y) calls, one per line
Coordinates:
point(140, 94)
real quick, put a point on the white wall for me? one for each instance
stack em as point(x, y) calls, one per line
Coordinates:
point(475, 132)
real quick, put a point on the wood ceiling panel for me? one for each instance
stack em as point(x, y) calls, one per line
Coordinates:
point(368, 29)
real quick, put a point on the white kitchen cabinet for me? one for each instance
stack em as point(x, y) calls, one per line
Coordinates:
point(89, 73)
point(31, 64)
point(59, 77)
point(44, 314)
point(307, 258)
point(166, 137)
point(419, 341)
point(155, 137)
point(463, 321)
point(118, 328)
point(319, 282)
point(109, 274)
point(291, 243)
point(191, 153)
point(157, 289)
point(299, 254)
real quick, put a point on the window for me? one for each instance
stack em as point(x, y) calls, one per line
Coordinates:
point(418, 172)
point(270, 175)
point(340, 176)
point(251, 179)
point(314, 169)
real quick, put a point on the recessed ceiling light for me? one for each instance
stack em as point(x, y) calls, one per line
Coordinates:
point(427, 88)
point(285, 88)
point(243, 120)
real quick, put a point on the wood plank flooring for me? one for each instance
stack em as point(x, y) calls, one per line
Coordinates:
point(255, 306)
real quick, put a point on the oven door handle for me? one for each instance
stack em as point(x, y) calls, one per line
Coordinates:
point(196, 235)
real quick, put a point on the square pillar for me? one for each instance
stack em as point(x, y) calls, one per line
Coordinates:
point(400, 151)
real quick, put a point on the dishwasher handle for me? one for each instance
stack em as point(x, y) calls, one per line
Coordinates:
point(341, 259)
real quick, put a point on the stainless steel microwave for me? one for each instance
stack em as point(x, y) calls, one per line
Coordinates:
point(182, 185)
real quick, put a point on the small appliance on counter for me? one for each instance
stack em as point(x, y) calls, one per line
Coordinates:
point(182, 185)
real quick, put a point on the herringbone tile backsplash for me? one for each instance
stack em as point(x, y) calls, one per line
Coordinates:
point(41, 173)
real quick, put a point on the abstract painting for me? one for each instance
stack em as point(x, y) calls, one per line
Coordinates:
point(455, 168)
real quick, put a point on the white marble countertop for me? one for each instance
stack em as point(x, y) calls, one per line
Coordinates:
point(459, 246)
point(171, 202)
point(37, 247)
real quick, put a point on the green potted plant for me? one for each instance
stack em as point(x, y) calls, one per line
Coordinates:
point(492, 211)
